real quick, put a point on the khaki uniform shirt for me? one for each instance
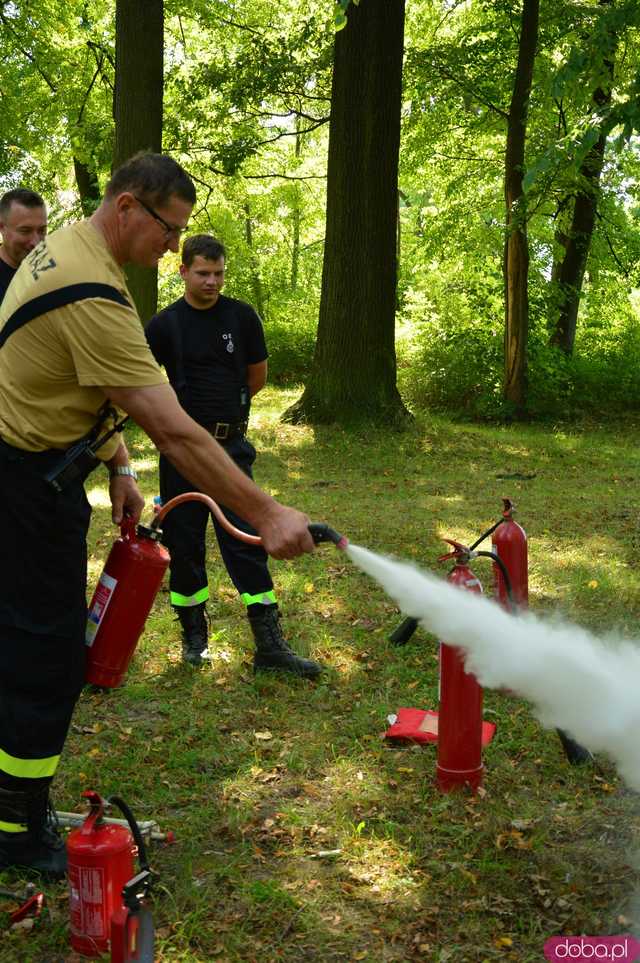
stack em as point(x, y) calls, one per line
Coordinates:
point(51, 367)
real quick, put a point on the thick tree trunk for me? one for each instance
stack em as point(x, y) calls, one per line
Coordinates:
point(568, 273)
point(138, 108)
point(88, 186)
point(353, 376)
point(516, 248)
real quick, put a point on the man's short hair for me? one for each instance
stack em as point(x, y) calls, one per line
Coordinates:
point(202, 245)
point(155, 178)
point(20, 195)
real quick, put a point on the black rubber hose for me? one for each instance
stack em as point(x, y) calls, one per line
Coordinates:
point(505, 574)
point(489, 531)
point(404, 631)
point(135, 829)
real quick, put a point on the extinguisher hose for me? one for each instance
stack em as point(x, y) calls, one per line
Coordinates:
point(505, 574)
point(486, 534)
point(318, 530)
point(135, 829)
point(402, 634)
point(214, 507)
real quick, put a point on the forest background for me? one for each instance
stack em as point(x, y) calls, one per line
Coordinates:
point(472, 165)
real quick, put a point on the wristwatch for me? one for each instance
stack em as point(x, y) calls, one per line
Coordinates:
point(123, 470)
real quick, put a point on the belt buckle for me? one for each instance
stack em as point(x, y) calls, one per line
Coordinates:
point(221, 431)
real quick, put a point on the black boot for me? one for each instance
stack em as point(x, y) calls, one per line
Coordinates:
point(272, 650)
point(41, 847)
point(195, 633)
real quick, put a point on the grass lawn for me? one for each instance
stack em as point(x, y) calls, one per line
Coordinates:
point(302, 835)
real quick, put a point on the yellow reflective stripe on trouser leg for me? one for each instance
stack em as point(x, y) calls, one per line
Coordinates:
point(262, 598)
point(28, 768)
point(12, 827)
point(178, 600)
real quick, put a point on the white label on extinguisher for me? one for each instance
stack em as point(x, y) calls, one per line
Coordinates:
point(87, 898)
point(99, 604)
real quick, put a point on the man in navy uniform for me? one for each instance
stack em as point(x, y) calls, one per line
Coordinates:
point(214, 353)
point(23, 224)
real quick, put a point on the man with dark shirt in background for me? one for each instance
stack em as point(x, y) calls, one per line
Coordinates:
point(213, 350)
point(23, 224)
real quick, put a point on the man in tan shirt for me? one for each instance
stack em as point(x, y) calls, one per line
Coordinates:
point(71, 346)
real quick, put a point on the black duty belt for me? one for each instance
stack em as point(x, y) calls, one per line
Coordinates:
point(227, 430)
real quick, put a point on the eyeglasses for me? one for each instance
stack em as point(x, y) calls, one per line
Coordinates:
point(169, 229)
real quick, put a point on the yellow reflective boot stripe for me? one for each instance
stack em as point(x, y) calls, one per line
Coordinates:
point(12, 827)
point(28, 768)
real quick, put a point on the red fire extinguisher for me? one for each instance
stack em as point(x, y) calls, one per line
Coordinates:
point(122, 601)
point(509, 543)
point(460, 712)
point(100, 870)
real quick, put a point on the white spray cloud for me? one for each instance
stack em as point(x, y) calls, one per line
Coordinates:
point(584, 685)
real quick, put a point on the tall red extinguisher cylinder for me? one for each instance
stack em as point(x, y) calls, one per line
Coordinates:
point(509, 542)
point(100, 862)
point(123, 598)
point(459, 761)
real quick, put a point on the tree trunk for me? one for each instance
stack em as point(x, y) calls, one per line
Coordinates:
point(258, 298)
point(353, 376)
point(568, 273)
point(88, 186)
point(297, 218)
point(138, 109)
point(516, 248)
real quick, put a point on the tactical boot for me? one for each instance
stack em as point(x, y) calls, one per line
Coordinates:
point(41, 847)
point(272, 650)
point(194, 633)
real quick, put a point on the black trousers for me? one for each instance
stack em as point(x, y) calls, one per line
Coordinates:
point(43, 568)
point(185, 530)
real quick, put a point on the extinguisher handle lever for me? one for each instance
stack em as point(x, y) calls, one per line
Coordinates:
point(136, 889)
point(127, 527)
point(97, 804)
point(460, 551)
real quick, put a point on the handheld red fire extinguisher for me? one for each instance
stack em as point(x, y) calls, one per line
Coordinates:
point(104, 889)
point(130, 581)
point(122, 601)
point(460, 710)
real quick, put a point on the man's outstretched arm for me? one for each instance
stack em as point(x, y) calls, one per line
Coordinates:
point(201, 459)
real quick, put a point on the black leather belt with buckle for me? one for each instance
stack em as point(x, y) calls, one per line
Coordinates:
point(227, 430)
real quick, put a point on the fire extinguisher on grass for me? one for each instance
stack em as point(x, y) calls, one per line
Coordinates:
point(460, 711)
point(105, 892)
point(511, 589)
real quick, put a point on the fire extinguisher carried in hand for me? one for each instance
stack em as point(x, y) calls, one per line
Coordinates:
point(122, 601)
point(104, 890)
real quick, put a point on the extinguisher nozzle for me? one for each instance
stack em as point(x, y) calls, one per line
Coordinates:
point(323, 533)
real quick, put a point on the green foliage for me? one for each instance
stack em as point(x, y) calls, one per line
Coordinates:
point(454, 362)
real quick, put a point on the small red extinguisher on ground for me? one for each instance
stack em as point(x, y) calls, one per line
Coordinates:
point(509, 542)
point(101, 872)
point(122, 601)
point(460, 711)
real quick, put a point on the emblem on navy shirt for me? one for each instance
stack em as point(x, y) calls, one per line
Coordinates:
point(230, 345)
